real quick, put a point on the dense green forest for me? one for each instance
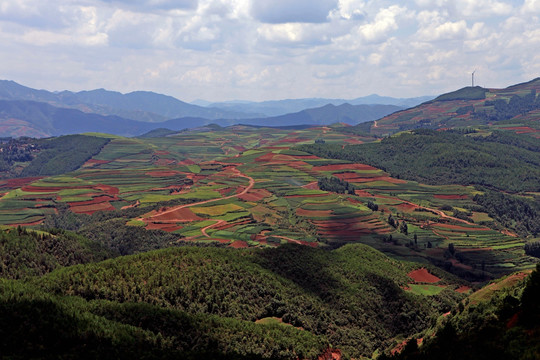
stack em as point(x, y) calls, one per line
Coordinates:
point(349, 297)
point(501, 160)
point(335, 184)
point(64, 154)
point(502, 326)
point(513, 212)
point(37, 324)
point(25, 253)
point(37, 157)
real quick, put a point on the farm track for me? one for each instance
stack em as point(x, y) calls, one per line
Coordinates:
point(236, 172)
point(218, 222)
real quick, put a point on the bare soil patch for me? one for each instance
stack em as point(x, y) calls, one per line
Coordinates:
point(450, 197)
point(179, 215)
point(423, 276)
point(313, 213)
point(339, 167)
point(239, 244)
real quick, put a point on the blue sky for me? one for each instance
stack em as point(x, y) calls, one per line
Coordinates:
point(269, 49)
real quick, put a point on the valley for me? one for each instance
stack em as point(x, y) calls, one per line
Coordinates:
point(264, 242)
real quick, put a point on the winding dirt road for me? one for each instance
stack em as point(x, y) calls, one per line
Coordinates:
point(236, 172)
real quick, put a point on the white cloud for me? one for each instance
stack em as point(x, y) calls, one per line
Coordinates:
point(384, 23)
point(531, 6)
point(258, 49)
point(352, 9)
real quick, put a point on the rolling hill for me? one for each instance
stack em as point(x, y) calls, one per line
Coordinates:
point(516, 107)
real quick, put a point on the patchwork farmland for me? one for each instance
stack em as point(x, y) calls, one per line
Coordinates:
point(242, 187)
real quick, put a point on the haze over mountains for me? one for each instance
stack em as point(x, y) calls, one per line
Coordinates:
point(29, 112)
point(282, 107)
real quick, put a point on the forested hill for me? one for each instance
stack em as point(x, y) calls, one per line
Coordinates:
point(469, 106)
point(40, 157)
point(351, 298)
point(502, 160)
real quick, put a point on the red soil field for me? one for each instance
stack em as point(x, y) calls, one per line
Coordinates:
point(339, 167)
point(161, 152)
point(521, 129)
point(266, 157)
point(28, 224)
point(349, 175)
point(513, 321)
point(313, 213)
point(362, 193)
point(17, 183)
point(96, 200)
point(463, 289)
point(450, 197)
point(164, 162)
point(508, 232)
point(225, 191)
point(111, 190)
point(307, 157)
point(31, 188)
point(423, 276)
point(131, 206)
point(312, 186)
point(96, 161)
point(291, 140)
point(306, 196)
point(255, 195)
point(90, 209)
point(307, 243)
point(239, 244)
point(162, 173)
point(406, 207)
point(239, 148)
point(179, 215)
point(461, 228)
point(195, 177)
point(186, 162)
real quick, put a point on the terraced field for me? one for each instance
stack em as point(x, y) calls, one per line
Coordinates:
point(246, 187)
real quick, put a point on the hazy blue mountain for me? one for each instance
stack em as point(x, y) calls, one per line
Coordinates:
point(38, 119)
point(138, 105)
point(282, 107)
point(328, 114)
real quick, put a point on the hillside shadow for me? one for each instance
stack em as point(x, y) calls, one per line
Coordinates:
point(303, 265)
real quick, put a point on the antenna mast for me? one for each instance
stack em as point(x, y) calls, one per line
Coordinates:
point(472, 77)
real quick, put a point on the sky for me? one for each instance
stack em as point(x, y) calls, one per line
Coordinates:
point(257, 50)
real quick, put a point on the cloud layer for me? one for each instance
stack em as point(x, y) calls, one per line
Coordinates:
point(269, 49)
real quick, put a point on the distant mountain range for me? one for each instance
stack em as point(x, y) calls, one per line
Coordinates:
point(39, 113)
point(138, 105)
point(37, 119)
point(282, 107)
